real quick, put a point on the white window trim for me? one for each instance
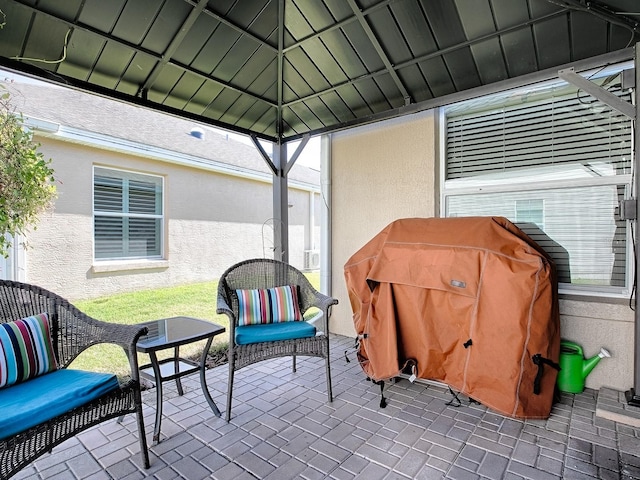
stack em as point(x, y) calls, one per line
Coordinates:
point(111, 266)
point(133, 263)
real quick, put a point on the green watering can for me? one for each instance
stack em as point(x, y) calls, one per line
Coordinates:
point(574, 368)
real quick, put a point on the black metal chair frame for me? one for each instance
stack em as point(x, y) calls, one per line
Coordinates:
point(262, 273)
point(72, 332)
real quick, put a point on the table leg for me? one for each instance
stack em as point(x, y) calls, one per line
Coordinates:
point(176, 360)
point(203, 380)
point(158, 377)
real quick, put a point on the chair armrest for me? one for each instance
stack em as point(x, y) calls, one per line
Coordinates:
point(324, 303)
point(126, 336)
point(223, 307)
point(78, 331)
point(89, 331)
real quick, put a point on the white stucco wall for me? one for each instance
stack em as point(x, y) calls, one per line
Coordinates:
point(212, 221)
point(388, 171)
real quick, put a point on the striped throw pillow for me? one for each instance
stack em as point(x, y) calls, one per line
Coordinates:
point(26, 350)
point(271, 305)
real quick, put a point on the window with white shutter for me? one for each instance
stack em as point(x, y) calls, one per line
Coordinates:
point(554, 161)
point(127, 215)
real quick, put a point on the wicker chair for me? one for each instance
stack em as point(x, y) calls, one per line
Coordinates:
point(263, 273)
point(72, 332)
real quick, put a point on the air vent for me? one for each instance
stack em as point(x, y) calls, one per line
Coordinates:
point(197, 132)
point(311, 259)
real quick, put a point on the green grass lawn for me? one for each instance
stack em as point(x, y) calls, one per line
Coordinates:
point(194, 300)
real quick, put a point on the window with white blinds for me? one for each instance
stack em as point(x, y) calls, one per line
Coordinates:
point(127, 215)
point(554, 161)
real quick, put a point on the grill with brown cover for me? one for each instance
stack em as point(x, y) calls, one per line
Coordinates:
point(473, 301)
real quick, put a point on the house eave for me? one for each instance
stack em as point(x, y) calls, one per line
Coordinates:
point(106, 142)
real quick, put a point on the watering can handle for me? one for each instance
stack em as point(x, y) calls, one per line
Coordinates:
point(572, 346)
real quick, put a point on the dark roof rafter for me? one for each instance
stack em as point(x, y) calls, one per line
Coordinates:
point(380, 51)
point(173, 46)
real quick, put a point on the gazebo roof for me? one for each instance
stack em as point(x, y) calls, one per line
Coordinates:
point(282, 69)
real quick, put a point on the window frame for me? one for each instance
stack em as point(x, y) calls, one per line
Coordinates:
point(161, 217)
point(449, 188)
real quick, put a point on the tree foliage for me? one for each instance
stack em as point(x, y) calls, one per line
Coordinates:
point(26, 178)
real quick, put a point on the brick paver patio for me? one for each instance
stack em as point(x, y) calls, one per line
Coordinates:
point(282, 427)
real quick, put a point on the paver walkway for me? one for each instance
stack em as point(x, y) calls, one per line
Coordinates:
point(282, 427)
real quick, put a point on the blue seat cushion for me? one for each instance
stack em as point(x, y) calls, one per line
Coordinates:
point(273, 331)
point(39, 399)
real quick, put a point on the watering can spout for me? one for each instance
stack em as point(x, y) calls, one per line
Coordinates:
point(590, 363)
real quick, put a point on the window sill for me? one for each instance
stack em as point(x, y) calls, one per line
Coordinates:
point(598, 308)
point(617, 299)
point(128, 265)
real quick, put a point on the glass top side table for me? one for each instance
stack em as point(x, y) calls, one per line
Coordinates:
point(172, 333)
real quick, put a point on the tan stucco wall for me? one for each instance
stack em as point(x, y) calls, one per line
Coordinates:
point(212, 221)
point(388, 171)
point(378, 173)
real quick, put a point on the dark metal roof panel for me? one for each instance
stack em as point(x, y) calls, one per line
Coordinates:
point(415, 29)
point(490, 61)
point(304, 18)
point(14, 33)
point(476, 17)
point(223, 101)
point(166, 26)
point(112, 60)
point(444, 22)
point(372, 91)
point(306, 116)
point(588, 36)
point(44, 42)
point(337, 106)
point(414, 79)
point(321, 110)
point(235, 58)
point(100, 15)
point(250, 76)
point(302, 76)
point(70, 7)
point(388, 31)
point(462, 68)
point(548, 35)
point(136, 74)
point(358, 39)
point(136, 19)
point(344, 53)
point(519, 52)
point(438, 77)
point(258, 117)
point(203, 96)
